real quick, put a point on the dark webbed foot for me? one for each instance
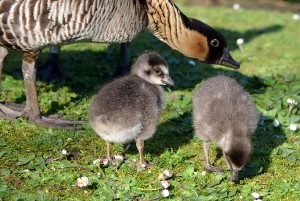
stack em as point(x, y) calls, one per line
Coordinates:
point(211, 168)
point(11, 111)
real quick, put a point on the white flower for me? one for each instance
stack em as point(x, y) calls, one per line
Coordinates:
point(203, 173)
point(192, 63)
point(240, 41)
point(165, 184)
point(104, 162)
point(236, 6)
point(241, 197)
point(143, 165)
point(255, 195)
point(83, 181)
point(97, 161)
point(165, 193)
point(293, 127)
point(64, 152)
point(119, 157)
point(292, 101)
point(167, 173)
point(276, 123)
point(296, 17)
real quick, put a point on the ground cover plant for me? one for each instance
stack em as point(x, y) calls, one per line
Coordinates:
point(38, 163)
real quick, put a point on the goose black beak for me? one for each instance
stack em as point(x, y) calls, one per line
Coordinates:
point(168, 80)
point(228, 61)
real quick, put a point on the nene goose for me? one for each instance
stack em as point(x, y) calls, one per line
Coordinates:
point(224, 112)
point(30, 25)
point(128, 108)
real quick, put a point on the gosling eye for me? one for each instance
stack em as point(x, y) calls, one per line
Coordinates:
point(157, 71)
point(214, 42)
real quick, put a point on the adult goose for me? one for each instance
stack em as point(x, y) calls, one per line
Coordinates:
point(30, 25)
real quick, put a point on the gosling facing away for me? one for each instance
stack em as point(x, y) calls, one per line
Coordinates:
point(224, 112)
point(31, 25)
point(128, 108)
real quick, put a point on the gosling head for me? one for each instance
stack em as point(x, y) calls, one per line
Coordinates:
point(153, 68)
point(237, 157)
point(206, 44)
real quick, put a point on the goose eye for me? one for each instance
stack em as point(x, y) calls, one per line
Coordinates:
point(156, 71)
point(214, 42)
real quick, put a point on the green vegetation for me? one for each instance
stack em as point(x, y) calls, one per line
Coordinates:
point(32, 166)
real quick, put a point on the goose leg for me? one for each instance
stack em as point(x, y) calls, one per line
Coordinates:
point(123, 65)
point(50, 69)
point(32, 109)
point(208, 166)
point(140, 147)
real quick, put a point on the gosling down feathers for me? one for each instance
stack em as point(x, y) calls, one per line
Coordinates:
point(224, 112)
point(128, 108)
point(30, 25)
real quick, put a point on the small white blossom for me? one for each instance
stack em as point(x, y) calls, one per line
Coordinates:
point(293, 127)
point(97, 161)
point(104, 162)
point(291, 101)
point(240, 41)
point(143, 165)
point(119, 157)
point(53, 168)
point(255, 195)
point(276, 123)
point(203, 173)
point(165, 184)
point(64, 152)
point(296, 17)
point(192, 63)
point(167, 173)
point(236, 6)
point(83, 181)
point(241, 197)
point(26, 170)
point(165, 193)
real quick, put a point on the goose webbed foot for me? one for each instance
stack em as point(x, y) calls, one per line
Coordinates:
point(12, 111)
point(211, 168)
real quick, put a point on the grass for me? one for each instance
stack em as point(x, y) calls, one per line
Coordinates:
point(270, 72)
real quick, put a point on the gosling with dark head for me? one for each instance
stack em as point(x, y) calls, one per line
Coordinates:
point(128, 108)
point(224, 112)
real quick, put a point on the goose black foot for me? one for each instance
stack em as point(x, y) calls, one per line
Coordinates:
point(211, 168)
point(12, 112)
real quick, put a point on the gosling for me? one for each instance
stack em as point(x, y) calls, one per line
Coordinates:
point(129, 107)
point(224, 112)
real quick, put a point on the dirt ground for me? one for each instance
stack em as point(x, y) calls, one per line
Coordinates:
point(265, 4)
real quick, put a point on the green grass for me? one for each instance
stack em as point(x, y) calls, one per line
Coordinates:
point(270, 72)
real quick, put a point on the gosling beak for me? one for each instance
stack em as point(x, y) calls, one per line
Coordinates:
point(168, 80)
point(228, 61)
